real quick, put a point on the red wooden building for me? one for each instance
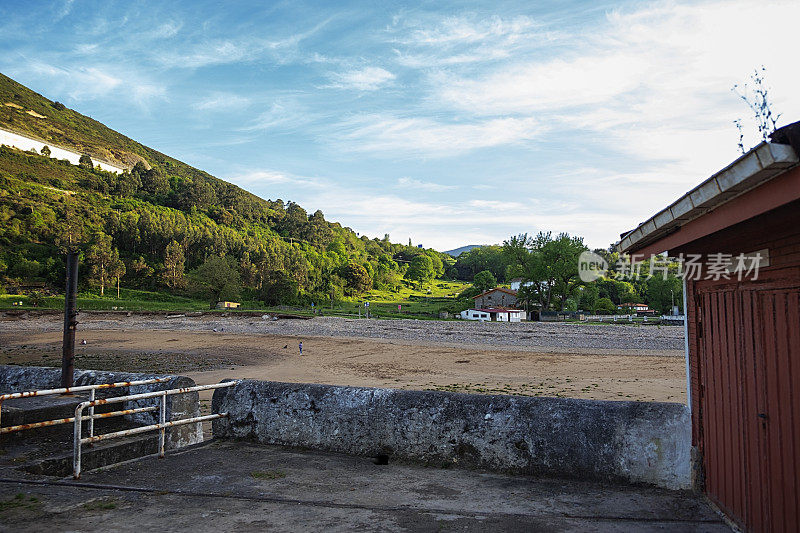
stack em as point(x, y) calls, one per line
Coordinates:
point(743, 328)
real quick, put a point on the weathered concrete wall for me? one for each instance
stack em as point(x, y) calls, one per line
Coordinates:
point(24, 378)
point(24, 142)
point(584, 439)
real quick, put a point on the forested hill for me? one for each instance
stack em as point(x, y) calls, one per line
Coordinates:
point(166, 225)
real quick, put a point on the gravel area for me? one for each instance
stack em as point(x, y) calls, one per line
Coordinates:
point(525, 336)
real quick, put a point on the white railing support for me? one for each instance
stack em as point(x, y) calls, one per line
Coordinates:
point(79, 440)
point(91, 413)
point(162, 420)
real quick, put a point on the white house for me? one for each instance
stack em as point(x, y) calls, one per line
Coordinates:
point(638, 308)
point(516, 283)
point(498, 314)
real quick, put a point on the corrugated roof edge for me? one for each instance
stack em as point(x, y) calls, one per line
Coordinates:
point(762, 163)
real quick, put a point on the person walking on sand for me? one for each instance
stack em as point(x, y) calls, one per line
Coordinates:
point(301, 347)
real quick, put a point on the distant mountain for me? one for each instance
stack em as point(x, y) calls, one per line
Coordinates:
point(467, 248)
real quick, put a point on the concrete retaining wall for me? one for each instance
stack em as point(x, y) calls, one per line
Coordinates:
point(585, 439)
point(25, 378)
point(24, 142)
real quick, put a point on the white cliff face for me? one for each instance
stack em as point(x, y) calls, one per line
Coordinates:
point(22, 142)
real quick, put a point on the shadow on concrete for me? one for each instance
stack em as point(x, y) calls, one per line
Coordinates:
point(239, 486)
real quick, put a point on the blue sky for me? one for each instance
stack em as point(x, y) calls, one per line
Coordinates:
point(449, 123)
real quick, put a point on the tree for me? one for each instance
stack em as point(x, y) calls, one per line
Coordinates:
point(197, 193)
point(549, 265)
point(220, 277)
point(141, 269)
point(154, 182)
point(45, 151)
point(70, 232)
point(172, 272)
point(116, 268)
point(104, 262)
point(606, 306)
point(127, 184)
point(356, 277)
point(484, 281)
point(663, 293)
point(420, 269)
point(85, 162)
point(279, 288)
point(619, 292)
point(491, 258)
point(590, 294)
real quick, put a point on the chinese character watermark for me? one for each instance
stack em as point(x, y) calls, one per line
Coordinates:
point(691, 267)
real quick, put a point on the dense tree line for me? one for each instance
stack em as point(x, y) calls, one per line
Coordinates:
point(194, 235)
point(547, 267)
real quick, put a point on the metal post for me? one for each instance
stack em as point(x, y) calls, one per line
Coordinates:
point(76, 444)
point(91, 415)
point(70, 322)
point(686, 347)
point(162, 415)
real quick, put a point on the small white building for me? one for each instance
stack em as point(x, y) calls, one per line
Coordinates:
point(497, 314)
point(516, 283)
point(635, 307)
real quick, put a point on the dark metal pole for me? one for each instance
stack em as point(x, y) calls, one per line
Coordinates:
point(70, 322)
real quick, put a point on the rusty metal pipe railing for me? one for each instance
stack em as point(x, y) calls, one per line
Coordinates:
point(69, 390)
point(79, 440)
point(90, 418)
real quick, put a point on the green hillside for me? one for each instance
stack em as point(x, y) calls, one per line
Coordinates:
point(167, 226)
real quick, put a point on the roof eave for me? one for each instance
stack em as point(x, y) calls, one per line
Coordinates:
point(761, 164)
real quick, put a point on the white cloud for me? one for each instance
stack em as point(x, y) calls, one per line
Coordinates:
point(223, 51)
point(558, 83)
point(282, 114)
point(463, 39)
point(364, 79)
point(255, 178)
point(496, 205)
point(395, 135)
point(220, 101)
point(100, 81)
point(411, 183)
point(653, 70)
point(462, 29)
point(65, 10)
point(210, 53)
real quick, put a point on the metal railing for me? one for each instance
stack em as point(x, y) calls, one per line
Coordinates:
point(78, 440)
point(69, 390)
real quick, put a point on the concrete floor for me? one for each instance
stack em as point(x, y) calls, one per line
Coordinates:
point(237, 486)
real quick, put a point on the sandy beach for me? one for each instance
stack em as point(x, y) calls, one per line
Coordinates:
point(605, 362)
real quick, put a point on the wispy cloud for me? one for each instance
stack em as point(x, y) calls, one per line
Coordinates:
point(649, 72)
point(66, 9)
point(414, 184)
point(267, 177)
point(397, 135)
point(285, 114)
point(363, 79)
point(86, 83)
point(452, 40)
point(220, 101)
point(461, 29)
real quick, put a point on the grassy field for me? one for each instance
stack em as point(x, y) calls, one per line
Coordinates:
point(424, 304)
